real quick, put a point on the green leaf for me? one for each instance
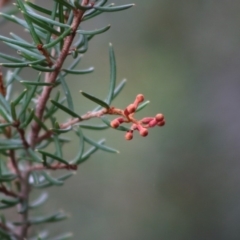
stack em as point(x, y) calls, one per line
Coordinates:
point(57, 40)
point(29, 97)
point(48, 20)
point(78, 157)
point(88, 153)
point(48, 219)
point(19, 43)
point(34, 156)
point(42, 69)
point(100, 146)
point(117, 90)
point(5, 114)
point(22, 64)
point(52, 180)
point(83, 71)
point(28, 120)
point(38, 8)
point(64, 236)
point(114, 9)
point(13, 111)
point(113, 74)
point(10, 58)
point(96, 100)
point(33, 33)
point(20, 97)
point(5, 104)
point(65, 109)
point(32, 83)
point(3, 125)
point(94, 32)
point(60, 131)
point(39, 201)
point(94, 127)
point(40, 122)
point(66, 4)
point(59, 159)
point(66, 92)
point(143, 105)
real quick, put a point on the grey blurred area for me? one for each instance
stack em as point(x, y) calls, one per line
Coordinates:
point(182, 181)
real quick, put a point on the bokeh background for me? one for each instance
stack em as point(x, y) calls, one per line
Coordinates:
point(181, 182)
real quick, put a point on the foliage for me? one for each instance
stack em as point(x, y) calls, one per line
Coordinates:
point(28, 122)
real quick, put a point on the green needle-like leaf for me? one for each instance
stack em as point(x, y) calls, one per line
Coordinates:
point(51, 179)
point(78, 157)
point(83, 71)
point(57, 40)
point(33, 33)
point(114, 9)
point(88, 153)
point(94, 32)
point(113, 74)
point(94, 127)
point(66, 92)
point(20, 97)
point(100, 146)
point(19, 43)
point(13, 111)
point(59, 159)
point(32, 83)
point(143, 105)
point(96, 100)
point(65, 109)
point(34, 156)
point(39, 201)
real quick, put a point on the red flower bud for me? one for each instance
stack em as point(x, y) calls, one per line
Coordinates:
point(115, 123)
point(162, 123)
point(120, 120)
point(146, 120)
point(152, 123)
point(143, 132)
point(131, 108)
point(140, 98)
point(159, 117)
point(129, 135)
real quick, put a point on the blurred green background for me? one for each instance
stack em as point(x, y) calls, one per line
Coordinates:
point(182, 181)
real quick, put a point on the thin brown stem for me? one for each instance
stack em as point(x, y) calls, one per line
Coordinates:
point(43, 98)
point(7, 192)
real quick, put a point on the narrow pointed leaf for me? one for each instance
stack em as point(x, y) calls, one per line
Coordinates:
point(66, 92)
point(100, 146)
point(81, 147)
point(94, 32)
point(51, 179)
point(65, 109)
point(113, 74)
point(57, 40)
point(96, 100)
point(34, 156)
point(59, 159)
point(33, 33)
point(143, 105)
point(94, 127)
point(114, 9)
point(82, 71)
point(39, 201)
point(88, 153)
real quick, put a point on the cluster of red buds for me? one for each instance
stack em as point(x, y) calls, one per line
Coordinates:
point(127, 116)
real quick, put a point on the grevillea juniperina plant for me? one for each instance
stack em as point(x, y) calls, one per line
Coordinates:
point(28, 120)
